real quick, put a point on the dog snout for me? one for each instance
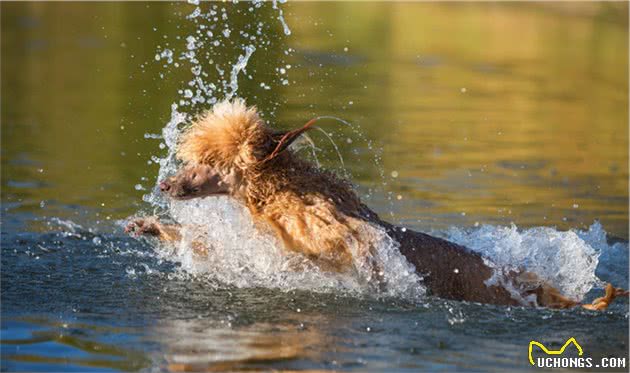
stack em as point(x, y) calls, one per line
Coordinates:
point(165, 186)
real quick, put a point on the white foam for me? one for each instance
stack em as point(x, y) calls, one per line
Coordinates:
point(244, 255)
point(566, 259)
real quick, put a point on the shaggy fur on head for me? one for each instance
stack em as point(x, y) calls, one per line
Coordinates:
point(230, 135)
point(311, 210)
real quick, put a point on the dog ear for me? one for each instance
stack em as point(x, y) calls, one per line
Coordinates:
point(284, 139)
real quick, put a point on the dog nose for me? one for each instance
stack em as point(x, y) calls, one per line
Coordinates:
point(165, 186)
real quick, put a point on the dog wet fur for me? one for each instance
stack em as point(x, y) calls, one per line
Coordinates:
point(230, 151)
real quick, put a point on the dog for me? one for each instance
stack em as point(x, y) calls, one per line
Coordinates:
point(230, 151)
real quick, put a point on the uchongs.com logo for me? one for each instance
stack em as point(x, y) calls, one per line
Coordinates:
point(554, 358)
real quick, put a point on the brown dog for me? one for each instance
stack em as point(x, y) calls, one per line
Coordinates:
point(229, 150)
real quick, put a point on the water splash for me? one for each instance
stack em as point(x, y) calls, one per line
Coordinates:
point(168, 164)
point(237, 68)
point(240, 253)
point(343, 165)
point(285, 27)
point(376, 158)
point(569, 260)
point(201, 53)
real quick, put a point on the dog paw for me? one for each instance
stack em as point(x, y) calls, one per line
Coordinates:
point(140, 227)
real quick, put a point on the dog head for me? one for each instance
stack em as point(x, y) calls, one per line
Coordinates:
point(229, 137)
point(195, 181)
point(221, 147)
point(230, 150)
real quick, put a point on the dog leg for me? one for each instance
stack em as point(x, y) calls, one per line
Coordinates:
point(151, 227)
point(548, 296)
point(163, 232)
point(602, 303)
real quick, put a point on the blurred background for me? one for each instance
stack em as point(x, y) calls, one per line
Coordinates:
point(476, 113)
point(459, 115)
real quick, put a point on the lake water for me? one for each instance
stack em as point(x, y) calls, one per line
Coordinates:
point(500, 126)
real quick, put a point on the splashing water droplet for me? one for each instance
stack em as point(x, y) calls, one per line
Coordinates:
point(238, 67)
point(285, 27)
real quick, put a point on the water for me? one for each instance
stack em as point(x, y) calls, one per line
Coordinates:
point(458, 125)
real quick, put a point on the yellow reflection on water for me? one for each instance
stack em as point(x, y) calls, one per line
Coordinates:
point(487, 112)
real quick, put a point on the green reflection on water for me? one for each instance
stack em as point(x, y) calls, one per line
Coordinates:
point(487, 112)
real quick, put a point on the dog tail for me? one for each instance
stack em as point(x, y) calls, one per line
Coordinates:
point(601, 303)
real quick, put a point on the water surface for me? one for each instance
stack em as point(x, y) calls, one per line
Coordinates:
point(463, 116)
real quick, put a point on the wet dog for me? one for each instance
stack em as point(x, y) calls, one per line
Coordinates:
point(230, 151)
